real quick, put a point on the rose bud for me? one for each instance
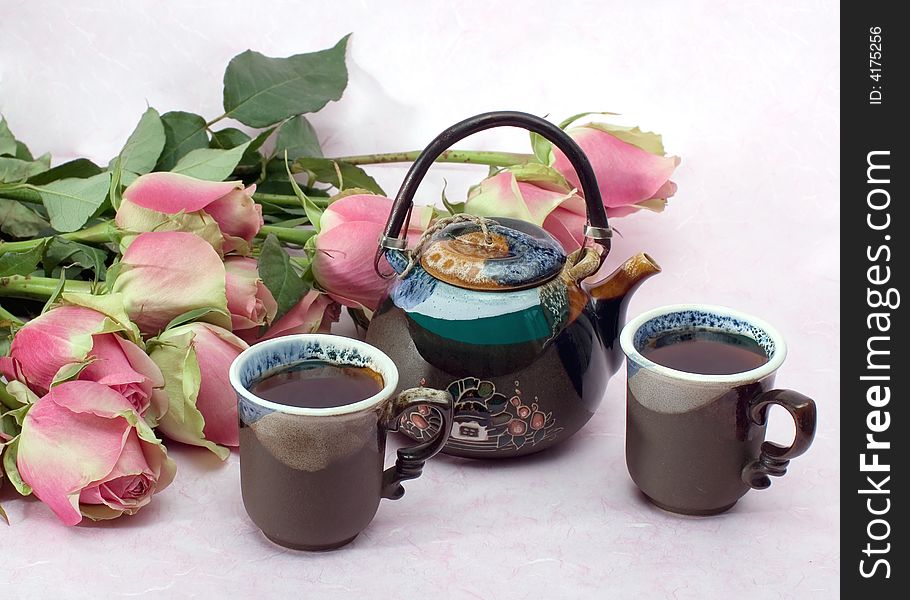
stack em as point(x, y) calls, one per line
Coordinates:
point(346, 245)
point(85, 451)
point(532, 193)
point(250, 303)
point(314, 313)
point(632, 171)
point(81, 343)
point(202, 406)
point(221, 212)
point(163, 275)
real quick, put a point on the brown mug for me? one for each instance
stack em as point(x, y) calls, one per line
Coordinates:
point(312, 478)
point(695, 443)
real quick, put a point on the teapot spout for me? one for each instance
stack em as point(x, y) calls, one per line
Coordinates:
point(611, 299)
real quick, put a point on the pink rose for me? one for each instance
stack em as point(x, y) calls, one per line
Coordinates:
point(250, 303)
point(532, 193)
point(76, 342)
point(166, 274)
point(85, 451)
point(202, 406)
point(164, 201)
point(349, 231)
point(630, 166)
point(315, 313)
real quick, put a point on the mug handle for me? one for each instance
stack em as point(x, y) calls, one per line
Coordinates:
point(774, 458)
point(412, 458)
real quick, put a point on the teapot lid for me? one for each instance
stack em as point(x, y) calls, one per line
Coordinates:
point(504, 254)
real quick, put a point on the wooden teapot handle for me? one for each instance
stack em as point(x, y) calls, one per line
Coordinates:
point(597, 228)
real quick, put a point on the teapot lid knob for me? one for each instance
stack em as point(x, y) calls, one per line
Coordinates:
point(492, 255)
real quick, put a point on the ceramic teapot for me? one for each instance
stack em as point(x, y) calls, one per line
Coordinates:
point(494, 311)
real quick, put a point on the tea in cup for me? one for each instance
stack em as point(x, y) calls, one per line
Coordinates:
point(700, 382)
point(314, 413)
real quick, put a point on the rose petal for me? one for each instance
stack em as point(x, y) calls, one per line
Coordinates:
point(113, 365)
point(567, 227)
point(626, 174)
point(250, 303)
point(239, 218)
point(172, 192)
point(311, 315)
point(215, 350)
point(57, 338)
point(133, 219)
point(343, 263)
point(370, 208)
point(64, 445)
point(166, 274)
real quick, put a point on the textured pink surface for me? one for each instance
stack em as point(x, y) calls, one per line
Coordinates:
point(744, 92)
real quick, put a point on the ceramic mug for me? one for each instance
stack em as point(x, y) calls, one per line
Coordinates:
point(312, 478)
point(695, 443)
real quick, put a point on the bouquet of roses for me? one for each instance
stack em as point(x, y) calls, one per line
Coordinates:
point(129, 289)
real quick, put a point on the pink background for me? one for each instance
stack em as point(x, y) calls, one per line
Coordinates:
point(745, 92)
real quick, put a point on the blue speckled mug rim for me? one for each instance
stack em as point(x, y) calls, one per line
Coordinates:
point(669, 318)
point(270, 356)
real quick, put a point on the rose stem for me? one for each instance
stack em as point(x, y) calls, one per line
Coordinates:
point(479, 157)
point(285, 234)
point(39, 288)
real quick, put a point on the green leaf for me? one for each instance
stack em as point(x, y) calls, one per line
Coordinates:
point(313, 212)
point(60, 251)
point(277, 183)
point(326, 170)
point(21, 263)
point(6, 340)
point(115, 192)
point(71, 202)
point(22, 151)
point(143, 147)
point(296, 139)
point(127, 178)
point(14, 170)
point(10, 453)
point(574, 118)
point(81, 168)
point(183, 133)
point(7, 139)
point(230, 137)
point(55, 295)
point(453, 208)
point(279, 275)
point(210, 164)
point(194, 315)
point(261, 90)
point(541, 147)
point(260, 139)
point(20, 221)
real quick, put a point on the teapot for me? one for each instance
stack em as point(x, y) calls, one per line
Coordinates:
point(495, 311)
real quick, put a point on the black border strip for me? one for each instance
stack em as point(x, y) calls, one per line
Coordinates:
point(874, 336)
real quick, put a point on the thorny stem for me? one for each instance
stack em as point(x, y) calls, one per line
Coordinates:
point(479, 157)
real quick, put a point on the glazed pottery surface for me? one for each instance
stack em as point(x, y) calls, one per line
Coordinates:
point(495, 311)
point(695, 443)
point(312, 478)
point(510, 398)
